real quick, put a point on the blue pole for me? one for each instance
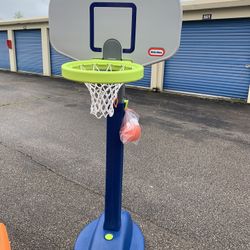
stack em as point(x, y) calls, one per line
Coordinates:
point(115, 229)
point(114, 171)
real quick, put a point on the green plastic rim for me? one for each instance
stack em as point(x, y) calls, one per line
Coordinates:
point(102, 71)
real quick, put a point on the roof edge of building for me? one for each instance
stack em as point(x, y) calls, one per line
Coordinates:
point(191, 5)
point(24, 21)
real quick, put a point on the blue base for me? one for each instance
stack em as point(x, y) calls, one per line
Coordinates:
point(128, 238)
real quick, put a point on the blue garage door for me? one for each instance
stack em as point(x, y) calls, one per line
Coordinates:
point(146, 81)
point(212, 59)
point(57, 60)
point(29, 51)
point(4, 51)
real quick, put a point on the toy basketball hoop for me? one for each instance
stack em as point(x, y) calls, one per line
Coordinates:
point(118, 32)
point(103, 79)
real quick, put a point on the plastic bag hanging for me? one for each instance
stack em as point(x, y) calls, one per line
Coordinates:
point(130, 130)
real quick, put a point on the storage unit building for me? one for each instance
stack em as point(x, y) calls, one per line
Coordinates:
point(212, 59)
point(29, 51)
point(214, 56)
point(4, 51)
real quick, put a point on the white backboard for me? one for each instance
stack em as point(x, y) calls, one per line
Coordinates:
point(148, 30)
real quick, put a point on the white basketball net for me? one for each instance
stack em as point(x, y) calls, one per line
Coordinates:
point(103, 96)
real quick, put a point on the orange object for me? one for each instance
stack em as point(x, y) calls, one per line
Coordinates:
point(4, 239)
point(132, 133)
point(130, 129)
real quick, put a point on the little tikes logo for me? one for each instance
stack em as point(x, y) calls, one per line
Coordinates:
point(156, 52)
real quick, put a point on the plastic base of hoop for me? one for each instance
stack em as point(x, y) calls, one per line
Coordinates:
point(129, 237)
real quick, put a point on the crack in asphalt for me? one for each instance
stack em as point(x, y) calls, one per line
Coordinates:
point(88, 189)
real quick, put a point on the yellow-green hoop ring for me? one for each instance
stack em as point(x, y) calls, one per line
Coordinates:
point(74, 71)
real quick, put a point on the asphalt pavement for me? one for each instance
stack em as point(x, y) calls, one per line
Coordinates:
point(187, 183)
